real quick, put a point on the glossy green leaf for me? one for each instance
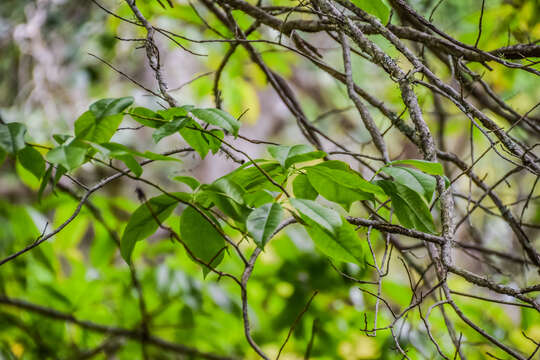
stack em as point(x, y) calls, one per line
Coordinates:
point(32, 160)
point(116, 150)
point(100, 122)
point(423, 184)
point(374, 7)
point(340, 186)
point(252, 178)
point(131, 163)
point(290, 155)
point(175, 112)
point(341, 245)
point(107, 107)
point(201, 238)
point(214, 139)
point(228, 196)
point(145, 221)
point(45, 181)
point(218, 118)
point(258, 198)
point(61, 138)
point(303, 189)
point(263, 221)
point(195, 138)
point(169, 128)
point(433, 168)
point(324, 216)
point(147, 117)
point(188, 180)
point(70, 156)
point(411, 210)
point(12, 137)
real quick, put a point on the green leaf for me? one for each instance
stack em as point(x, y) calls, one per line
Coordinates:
point(303, 189)
point(335, 181)
point(411, 210)
point(195, 138)
point(32, 160)
point(107, 107)
point(101, 121)
point(214, 140)
point(228, 196)
point(325, 217)
point(290, 155)
point(12, 137)
point(263, 221)
point(3, 155)
point(116, 150)
point(229, 188)
point(258, 198)
point(44, 181)
point(188, 180)
point(342, 174)
point(201, 238)
point(251, 178)
point(342, 245)
point(219, 118)
point(169, 128)
point(147, 117)
point(131, 163)
point(70, 156)
point(61, 138)
point(415, 180)
point(144, 222)
point(433, 168)
point(175, 112)
point(374, 7)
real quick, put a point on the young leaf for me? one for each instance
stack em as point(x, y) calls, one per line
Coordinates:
point(201, 238)
point(145, 221)
point(12, 137)
point(433, 168)
point(219, 118)
point(169, 128)
point(32, 160)
point(263, 221)
point(70, 156)
point(188, 180)
point(303, 189)
point(101, 121)
point(374, 7)
point(411, 210)
point(290, 155)
point(415, 180)
point(342, 245)
point(325, 217)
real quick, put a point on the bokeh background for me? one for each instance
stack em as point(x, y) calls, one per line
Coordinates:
point(49, 75)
